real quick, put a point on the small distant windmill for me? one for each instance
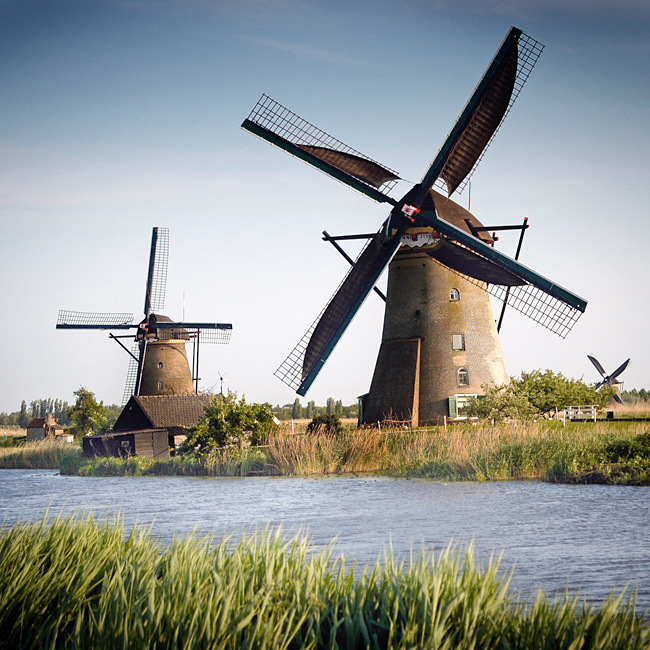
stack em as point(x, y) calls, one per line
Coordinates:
point(158, 363)
point(610, 380)
point(440, 342)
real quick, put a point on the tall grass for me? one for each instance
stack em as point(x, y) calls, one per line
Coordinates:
point(545, 450)
point(229, 461)
point(44, 454)
point(532, 451)
point(74, 583)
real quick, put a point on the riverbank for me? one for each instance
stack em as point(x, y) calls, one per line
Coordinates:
point(606, 453)
point(71, 582)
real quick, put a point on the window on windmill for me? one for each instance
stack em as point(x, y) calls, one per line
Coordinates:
point(160, 364)
point(160, 385)
point(454, 294)
point(457, 341)
point(463, 377)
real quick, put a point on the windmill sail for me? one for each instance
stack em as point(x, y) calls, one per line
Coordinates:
point(305, 361)
point(276, 124)
point(71, 320)
point(131, 373)
point(154, 300)
point(539, 298)
point(206, 332)
point(484, 112)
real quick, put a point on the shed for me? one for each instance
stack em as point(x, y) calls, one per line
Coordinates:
point(149, 425)
point(150, 443)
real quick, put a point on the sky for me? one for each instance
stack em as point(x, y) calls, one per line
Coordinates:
point(122, 115)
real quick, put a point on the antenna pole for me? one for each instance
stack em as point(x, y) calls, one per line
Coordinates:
point(524, 227)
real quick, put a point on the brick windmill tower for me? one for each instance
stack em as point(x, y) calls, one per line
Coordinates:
point(440, 341)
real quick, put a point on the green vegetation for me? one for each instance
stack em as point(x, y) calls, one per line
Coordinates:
point(540, 393)
point(229, 422)
point(297, 411)
point(328, 424)
point(87, 415)
point(74, 583)
point(228, 461)
point(577, 453)
point(45, 454)
point(615, 453)
point(60, 410)
point(39, 408)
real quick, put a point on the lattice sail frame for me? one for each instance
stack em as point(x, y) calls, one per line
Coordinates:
point(158, 280)
point(290, 371)
point(218, 335)
point(546, 310)
point(283, 122)
point(529, 52)
point(96, 320)
point(131, 373)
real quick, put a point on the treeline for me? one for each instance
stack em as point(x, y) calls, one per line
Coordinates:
point(59, 409)
point(39, 408)
point(635, 395)
point(297, 411)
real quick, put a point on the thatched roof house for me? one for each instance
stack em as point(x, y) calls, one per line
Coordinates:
point(149, 425)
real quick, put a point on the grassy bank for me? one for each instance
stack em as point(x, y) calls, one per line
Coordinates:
point(546, 451)
point(77, 584)
point(587, 453)
point(45, 454)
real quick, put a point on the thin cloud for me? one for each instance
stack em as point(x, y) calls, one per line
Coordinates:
point(305, 51)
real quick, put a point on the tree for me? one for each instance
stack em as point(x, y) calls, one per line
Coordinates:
point(538, 393)
point(311, 407)
point(329, 408)
point(86, 414)
point(228, 422)
point(23, 418)
point(500, 403)
point(549, 392)
point(296, 411)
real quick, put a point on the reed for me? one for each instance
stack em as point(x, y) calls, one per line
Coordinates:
point(542, 450)
point(229, 461)
point(75, 583)
point(44, 454)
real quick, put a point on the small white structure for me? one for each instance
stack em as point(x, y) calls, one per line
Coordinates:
point(586, 412)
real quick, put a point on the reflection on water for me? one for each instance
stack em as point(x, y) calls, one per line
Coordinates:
point(589, 537)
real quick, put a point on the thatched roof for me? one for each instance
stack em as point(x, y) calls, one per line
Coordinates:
point(161, 411)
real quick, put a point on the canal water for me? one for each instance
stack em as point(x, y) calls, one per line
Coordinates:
point(590, 538)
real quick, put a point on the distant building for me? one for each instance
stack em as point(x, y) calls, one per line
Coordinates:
point(41, 428)
point(149, 425)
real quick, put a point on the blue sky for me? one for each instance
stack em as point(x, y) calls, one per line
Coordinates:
point(118, 116)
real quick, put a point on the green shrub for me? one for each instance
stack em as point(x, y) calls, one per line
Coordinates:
point(229, 422)
point(328, 423)
point(629, 449)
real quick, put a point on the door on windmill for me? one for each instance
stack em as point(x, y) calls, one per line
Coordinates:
point(458, 404)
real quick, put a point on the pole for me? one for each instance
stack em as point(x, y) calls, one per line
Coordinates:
point(524, 227)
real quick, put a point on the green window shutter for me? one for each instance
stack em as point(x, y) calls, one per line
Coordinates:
point(453, 408)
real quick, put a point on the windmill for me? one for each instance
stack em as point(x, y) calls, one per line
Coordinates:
point(610, 380)
point(439, 341)
point(158, 363)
